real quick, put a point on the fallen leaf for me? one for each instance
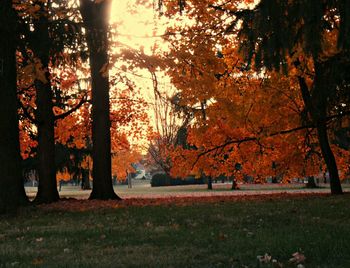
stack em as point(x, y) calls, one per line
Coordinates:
point(38, 261)
point(222, 236)
point(265, 258)
point(39, 239)
point(297, 258)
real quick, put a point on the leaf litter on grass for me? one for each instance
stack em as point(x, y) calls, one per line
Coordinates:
point(89, 205)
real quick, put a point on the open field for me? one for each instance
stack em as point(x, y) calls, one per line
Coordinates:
point(205, 232)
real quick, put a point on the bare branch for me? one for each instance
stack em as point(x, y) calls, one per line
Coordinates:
point(65, 114)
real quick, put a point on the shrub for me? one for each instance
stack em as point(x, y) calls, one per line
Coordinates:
point(161, 179)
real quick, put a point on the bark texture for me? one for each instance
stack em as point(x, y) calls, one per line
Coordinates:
point(95, 16)
point(316, 101)
point(47, 189)
point(11, 183)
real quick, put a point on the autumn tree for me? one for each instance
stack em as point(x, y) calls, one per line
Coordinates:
point(73, 135)
point(73, 132)
point(46, 31)
point(95, 16)
point(123, 157)
point(268, 37)
point(40, 44)
point(170, 118)
point(169, 131)
point(315, 35)
point(11, 183)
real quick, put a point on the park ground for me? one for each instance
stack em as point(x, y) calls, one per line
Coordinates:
point(143, 189)
point(183, 227)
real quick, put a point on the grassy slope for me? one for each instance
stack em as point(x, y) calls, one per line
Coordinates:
point(225, 234)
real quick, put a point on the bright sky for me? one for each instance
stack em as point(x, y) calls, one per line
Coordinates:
point(136, 25)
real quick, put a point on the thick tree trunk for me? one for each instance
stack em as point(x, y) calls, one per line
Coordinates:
point(47, 189)
point(12, 192)
point(95, 17)
point(101, 135)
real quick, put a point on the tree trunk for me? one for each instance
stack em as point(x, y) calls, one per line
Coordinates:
point(234, 184)
point(95, 17)
point(85, 181)
point(321, 94)
point(12, 192)
point(129, 179)
point(329, 159)
point(316, 106)
point(311, 182)
point(47, 189)
point(210, 183)
point(101, 136)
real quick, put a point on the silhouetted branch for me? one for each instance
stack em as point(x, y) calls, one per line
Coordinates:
point(247, 139)
point(65, 114)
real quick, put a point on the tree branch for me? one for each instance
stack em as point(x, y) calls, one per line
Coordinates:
point(254, 138)
point(339, 115)
point(247, 139)
point(65, 114)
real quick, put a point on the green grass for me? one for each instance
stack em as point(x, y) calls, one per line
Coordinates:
point(224, 234)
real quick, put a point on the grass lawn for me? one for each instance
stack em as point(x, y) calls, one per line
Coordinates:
point(193, 234)
point(143, 188)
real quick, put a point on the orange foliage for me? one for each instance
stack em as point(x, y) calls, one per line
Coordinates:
point(128, 119)
point(245, 123)
point(63, 176)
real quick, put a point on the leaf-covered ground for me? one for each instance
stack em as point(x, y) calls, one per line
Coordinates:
point(72, 204)
point(222, 231)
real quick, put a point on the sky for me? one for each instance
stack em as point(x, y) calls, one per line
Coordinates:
point(137, 27)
